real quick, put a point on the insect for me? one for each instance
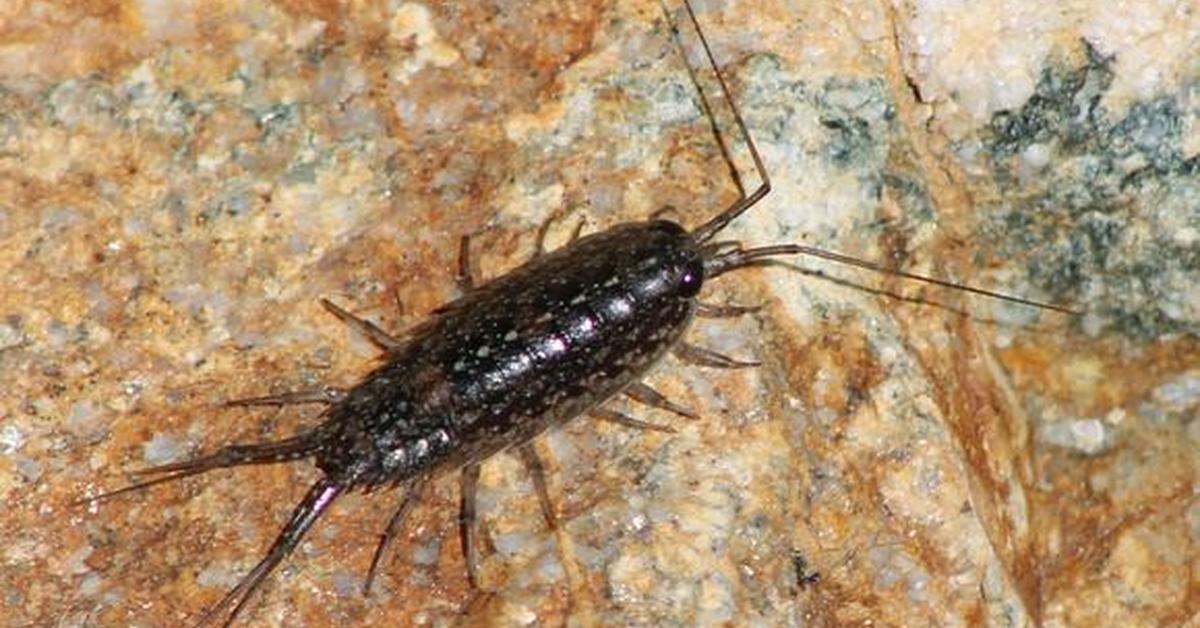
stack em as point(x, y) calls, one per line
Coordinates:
point(518, 355)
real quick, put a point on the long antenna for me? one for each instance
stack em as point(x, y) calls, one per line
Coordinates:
point(706, 106)
point(717, 262)
point(706, 231)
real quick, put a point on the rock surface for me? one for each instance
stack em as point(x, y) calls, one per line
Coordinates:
point(180, 182)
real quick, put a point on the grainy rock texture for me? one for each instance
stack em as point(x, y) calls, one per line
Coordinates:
point(180, 181)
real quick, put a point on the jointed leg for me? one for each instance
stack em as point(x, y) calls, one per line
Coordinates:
point(537, 473)
point(544, 231)
point(612, 416)
point(665, 210)
point(411, 494)
point(644, 394)
point(465, 279)
point(578, 231)
point(714, 310)
point(326, 395)
point(468, 484)
point(373, 332)
point(707, 357)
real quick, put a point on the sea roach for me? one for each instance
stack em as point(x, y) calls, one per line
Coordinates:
point(513, 357)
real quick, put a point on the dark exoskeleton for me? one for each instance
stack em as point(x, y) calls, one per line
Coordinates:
point(547, 342)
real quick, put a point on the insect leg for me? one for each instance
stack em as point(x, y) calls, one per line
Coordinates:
point(612, 416)
point(411, 492)
point(540, 248)
point(544, 230)
point(707, 357)
point(373, 332)
point(715, 310)
point(577, 231)
point(306, 513)
point(642, 393)
point(537, 473)
point(468, 484)
point(665, 210)
point(465, 279)
point(325, 395)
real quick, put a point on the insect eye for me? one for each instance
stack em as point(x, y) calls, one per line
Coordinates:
point(691, 278)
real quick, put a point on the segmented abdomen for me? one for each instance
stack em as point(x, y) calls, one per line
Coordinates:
point(514, 357)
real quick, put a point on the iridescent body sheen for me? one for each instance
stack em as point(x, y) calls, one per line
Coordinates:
point(516, 356)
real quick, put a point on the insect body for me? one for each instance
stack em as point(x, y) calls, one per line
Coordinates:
point(530, 350)
point(519, 355)
point(512, 358)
